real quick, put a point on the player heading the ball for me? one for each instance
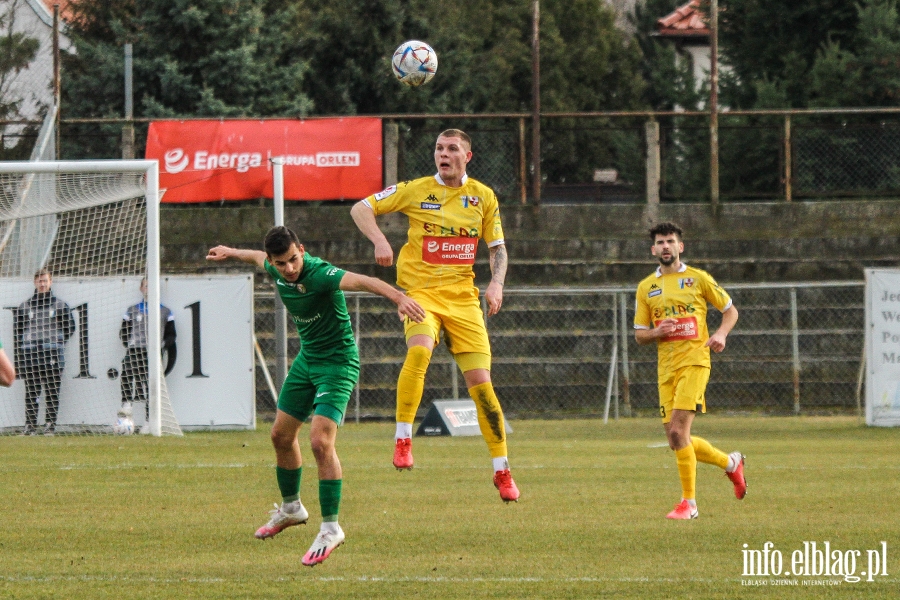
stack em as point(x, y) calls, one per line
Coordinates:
point(448, 212)
point(321, 378)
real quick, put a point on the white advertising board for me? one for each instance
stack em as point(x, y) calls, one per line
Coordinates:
point(883, 347)
point(212, 384)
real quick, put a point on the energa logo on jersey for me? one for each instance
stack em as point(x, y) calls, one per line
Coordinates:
point(449, 250)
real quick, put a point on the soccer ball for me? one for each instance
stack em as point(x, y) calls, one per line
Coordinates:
point(414, 63)
point(123, 425)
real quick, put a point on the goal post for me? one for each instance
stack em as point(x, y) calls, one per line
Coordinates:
point(94, 226)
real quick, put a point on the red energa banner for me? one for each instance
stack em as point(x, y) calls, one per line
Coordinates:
point(324, 159)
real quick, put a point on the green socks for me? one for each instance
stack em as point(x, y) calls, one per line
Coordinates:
point(288, 483)
point(330, 498)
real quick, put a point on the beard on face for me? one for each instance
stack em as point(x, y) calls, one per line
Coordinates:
point(666, 260)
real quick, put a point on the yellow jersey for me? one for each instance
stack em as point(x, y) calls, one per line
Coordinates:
point(682, 296)
point(445, 224)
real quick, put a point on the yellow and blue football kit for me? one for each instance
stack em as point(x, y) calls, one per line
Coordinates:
point(683, 369)
point(684, 364)
point(435, 267)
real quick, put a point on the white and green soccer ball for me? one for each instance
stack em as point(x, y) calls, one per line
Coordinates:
point(124, 424)
point(414, 63)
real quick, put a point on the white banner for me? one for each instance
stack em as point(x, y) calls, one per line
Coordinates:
point(883, 347)
point(212, 383)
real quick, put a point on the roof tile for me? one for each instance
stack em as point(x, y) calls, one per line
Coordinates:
point(684, 20)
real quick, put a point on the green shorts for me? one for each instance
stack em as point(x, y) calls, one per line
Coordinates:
point(321, 388)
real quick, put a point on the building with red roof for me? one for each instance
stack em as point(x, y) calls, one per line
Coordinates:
point(687, 27)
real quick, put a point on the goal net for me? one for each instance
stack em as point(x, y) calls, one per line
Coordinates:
point(76, 240)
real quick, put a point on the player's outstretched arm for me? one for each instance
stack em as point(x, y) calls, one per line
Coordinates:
point(365, 221)
point(251, 257)
point(406, 306)
point(494, 292)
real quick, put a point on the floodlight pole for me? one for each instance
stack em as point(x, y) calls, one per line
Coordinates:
point(57, 87)
point(536, 102)
point(714, 105)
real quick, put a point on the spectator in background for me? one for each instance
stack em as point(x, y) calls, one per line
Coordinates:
point(43, 325)
point(135, 366)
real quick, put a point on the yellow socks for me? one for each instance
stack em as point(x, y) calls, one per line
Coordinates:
point(687, 471)
point(707, 453)
point(687, 457)
point(411, 383)
point(490, 418)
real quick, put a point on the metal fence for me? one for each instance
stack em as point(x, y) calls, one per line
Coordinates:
point(604, 157)
point(775, 155)
point(564, 352)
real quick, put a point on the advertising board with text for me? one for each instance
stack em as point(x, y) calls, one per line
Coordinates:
point(324, 159)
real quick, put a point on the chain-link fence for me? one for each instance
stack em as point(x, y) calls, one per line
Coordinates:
point(562, 352)
point(847, 160)
point(498, 151)
point(780, 155)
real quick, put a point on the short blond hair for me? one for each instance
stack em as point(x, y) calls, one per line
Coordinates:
point(457, 133)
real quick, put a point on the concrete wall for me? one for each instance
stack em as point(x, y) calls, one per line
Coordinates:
point(584, 245)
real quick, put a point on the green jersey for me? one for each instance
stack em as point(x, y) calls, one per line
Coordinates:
point(319, 310)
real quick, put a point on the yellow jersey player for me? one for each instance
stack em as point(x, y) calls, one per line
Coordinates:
point(670, 309)
point(448, 213)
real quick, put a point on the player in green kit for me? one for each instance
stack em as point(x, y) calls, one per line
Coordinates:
point(321, 378)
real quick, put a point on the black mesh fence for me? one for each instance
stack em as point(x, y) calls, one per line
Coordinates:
point(561, 352)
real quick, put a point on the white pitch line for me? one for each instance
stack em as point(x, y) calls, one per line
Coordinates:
point(394, 580)
point(366, 579)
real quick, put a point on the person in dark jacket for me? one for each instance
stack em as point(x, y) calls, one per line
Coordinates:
point(135, 366)
point(43, 325)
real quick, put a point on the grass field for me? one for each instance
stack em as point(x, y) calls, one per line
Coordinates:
point(110, 517)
